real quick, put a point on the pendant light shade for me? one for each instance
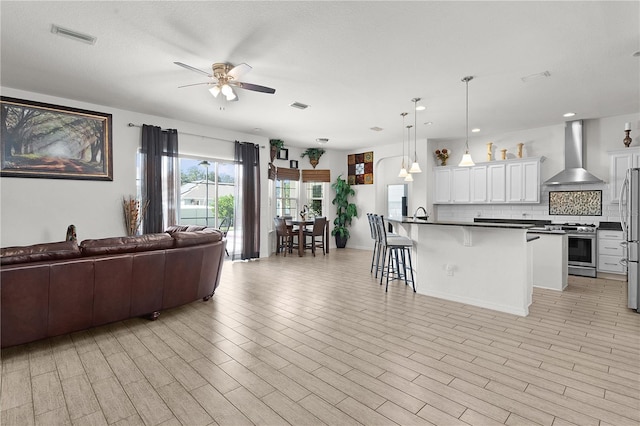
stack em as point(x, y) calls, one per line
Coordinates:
point(403, 169)
point(415, 167)
point(467, 161)
point(408, 178)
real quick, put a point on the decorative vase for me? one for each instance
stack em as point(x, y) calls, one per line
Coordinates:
point(341, 242)
point(520, 145)
point(489, 152)
point(314, 162)
point(273, 152)
point(443, 162)
point(504, 154)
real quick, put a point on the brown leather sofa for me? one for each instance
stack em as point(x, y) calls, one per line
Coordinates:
point(57, 288)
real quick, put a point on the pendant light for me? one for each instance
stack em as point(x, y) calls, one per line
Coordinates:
point(466, 158)
point(409, 178)
point(415, 167)
point(403, 169)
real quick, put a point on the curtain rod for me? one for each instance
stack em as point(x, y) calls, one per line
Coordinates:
point(193, 134)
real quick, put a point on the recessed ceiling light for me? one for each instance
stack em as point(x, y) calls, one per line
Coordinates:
point(257, 129)
point(569, 114)
point(74, 35)
point(322, 140)
point(299, 105)
point(421, 108)
point(428, 123)
point(376, 129)
point(476, 130)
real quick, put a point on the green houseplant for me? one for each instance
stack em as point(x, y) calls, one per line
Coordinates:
point(314, 155)
point(346, 211)
point(275, 146)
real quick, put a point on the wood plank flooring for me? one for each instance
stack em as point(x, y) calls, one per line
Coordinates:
point(312, 341)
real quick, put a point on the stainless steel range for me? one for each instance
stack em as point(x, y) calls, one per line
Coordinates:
point(582, 248)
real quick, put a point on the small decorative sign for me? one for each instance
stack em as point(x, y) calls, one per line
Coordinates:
point(360, 168)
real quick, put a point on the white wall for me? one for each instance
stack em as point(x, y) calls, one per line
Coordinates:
point(39, 210)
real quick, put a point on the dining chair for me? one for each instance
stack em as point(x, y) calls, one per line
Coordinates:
point(396, 252)
point(284, 236)
point(224, 228)
point(318, 229)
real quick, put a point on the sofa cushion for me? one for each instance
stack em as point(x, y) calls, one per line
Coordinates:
point(176, 228)
point(196, 228)
point(192, 238)
point(116, 245)
point(39, 252)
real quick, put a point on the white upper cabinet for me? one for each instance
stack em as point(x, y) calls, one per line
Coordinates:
point(461, 188)
point(507, 181)
point(523, 182)
point(478, 184)
point(442, 185)
point(619, 162)
point(496, 184)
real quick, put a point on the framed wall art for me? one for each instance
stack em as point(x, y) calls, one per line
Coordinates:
point(283, 154)
point(41, 140)
point(293, 164)
point(360, 168)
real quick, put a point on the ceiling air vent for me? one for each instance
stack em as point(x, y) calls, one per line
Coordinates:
point(376, 129)
point(65, 32)
point(299, 105)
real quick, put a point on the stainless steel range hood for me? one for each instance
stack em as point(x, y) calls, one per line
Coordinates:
point(574, 172)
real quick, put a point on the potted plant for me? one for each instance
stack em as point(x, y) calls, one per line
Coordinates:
point(276, 145)
point(345, 213)
point(314, 155)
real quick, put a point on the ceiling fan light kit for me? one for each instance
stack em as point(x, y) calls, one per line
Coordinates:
point(225, 77)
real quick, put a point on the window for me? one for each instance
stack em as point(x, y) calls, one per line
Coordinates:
point(315, 198)
point(206, 191)
point(286, 198)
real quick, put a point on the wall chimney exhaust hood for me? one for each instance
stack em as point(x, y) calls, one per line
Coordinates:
point(574, 172)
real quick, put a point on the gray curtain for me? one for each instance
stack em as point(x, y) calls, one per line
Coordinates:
point(160, 180)
point(247, 217)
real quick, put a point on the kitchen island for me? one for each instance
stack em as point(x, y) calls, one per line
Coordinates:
point(480, 264)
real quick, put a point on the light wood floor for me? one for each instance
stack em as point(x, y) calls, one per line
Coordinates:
point(308, 341)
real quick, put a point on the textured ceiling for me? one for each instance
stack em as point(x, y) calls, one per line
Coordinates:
point(357, 64)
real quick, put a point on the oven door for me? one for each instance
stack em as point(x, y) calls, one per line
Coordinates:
point(582, 250)
point(582, 254)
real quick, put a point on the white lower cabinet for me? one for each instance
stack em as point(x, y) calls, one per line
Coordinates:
point(611, 252)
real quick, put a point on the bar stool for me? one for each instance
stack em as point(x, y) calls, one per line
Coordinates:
point(396, 250)
point(376, 247)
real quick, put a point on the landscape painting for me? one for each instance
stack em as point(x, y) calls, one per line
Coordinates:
point(49, 141)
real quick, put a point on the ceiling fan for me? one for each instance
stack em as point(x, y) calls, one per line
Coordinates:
point(224, 78)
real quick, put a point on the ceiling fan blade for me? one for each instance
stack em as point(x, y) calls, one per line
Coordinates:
point(190, 68)
point(239, 70)
point(254, 87)
point(195, 84)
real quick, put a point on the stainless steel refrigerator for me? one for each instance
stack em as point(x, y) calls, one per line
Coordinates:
point(630, 220)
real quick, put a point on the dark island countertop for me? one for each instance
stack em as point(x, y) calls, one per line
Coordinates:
point(467, 224)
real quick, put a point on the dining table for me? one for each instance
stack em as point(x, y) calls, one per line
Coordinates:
point(302, 224)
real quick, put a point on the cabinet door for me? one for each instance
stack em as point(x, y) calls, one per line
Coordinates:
point(478, 184)
point(636, 158)
point(522, 182)
point(496, 182)
point(514, 185)
point(531, 182)
point(461, 189)
point(619, 163)
point(442, 185)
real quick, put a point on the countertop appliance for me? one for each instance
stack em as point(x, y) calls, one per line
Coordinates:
point(630, 220)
